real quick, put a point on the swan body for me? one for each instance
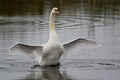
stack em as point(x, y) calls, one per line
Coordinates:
point(52, 50)
point(49, 53)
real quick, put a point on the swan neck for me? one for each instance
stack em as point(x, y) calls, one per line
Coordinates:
point(53, 34)
point(51, 23)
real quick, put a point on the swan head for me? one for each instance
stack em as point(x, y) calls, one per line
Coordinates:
point(55, 11)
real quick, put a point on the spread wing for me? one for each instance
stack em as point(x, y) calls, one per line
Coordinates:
point(80, 42)
point(29, 50)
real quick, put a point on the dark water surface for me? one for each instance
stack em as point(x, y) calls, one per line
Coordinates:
point(27, 21)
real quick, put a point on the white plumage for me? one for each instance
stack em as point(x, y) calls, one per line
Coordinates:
point(49, 53)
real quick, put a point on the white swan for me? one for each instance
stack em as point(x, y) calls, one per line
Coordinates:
point(49, 53)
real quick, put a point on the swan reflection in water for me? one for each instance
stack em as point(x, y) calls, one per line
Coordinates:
point(47, 73)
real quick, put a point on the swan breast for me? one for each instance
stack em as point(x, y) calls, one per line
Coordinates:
point(52, 54)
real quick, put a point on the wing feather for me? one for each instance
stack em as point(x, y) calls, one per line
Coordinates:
point(29, 50)
point(80, 42)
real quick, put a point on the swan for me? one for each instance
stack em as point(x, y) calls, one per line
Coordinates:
point(50, 53)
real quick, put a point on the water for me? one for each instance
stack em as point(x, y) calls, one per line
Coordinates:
point(27, 22)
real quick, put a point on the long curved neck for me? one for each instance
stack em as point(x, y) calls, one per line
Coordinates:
point(51, 23)
point(53, 34)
